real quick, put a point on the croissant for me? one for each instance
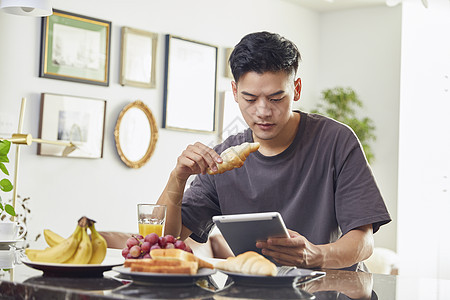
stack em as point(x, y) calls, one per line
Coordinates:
point(250, 263)
point(234, 157)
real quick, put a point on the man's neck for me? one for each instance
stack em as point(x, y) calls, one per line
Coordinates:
point(281, 142)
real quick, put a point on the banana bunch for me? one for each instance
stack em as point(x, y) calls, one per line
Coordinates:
point(78, 248)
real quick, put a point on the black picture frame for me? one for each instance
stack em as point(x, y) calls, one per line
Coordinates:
point(190, 83)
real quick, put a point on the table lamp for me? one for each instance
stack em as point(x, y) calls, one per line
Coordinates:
point(21, 138)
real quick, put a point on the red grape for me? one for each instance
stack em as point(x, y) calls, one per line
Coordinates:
point(146, 255)
point(125, 252)
point(132, 242)
point(152, 238)
point(139, 237)
point(162, 242)
point(170, 246)
point(170, 238)
point(155, 246)
point(135, 251)
point(145, 247)
point(179, 244)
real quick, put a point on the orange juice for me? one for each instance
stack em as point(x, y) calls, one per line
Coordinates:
point(145, 229)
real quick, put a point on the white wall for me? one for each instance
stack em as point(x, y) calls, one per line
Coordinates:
point(360, 48)
point(424, 165)
point(64, 189)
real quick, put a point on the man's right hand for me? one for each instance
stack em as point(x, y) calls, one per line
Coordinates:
point(196, 159)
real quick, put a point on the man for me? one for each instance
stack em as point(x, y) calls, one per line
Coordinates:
point(309, 168)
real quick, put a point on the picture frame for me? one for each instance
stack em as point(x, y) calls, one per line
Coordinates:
point(138, 58)
point(228, 73)
point(136, 134)
point(72, 119)
point(75, 48)
point(190, 85)
point(231, 120)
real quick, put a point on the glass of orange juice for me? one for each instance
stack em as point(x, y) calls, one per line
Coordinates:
point(151, 219)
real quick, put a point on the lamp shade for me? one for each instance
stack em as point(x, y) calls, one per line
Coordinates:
point(37, 8)
point(393, 2)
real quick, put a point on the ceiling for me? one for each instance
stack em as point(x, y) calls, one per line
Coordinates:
point(330, 5)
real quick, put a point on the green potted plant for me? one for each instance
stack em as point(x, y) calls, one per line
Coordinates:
point(7, 211)
point(5, 184)
point(339, 103)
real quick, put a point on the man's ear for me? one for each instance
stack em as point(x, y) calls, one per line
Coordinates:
point(297, 89)
point(234, 88)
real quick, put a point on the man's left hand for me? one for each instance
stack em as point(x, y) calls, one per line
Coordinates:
point(294, 251)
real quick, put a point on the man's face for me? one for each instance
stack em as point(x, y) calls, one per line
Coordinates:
point(265, 101)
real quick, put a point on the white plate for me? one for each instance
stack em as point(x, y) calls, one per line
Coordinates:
point(112, 259)
point(164, 279)
point(4, 245)
point(294, 276)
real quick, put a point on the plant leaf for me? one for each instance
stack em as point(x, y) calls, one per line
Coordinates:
point(4, 147)
point(4, 158)
point(3, 168)
point(338, 103)
point(5, 185)
point(10, 210)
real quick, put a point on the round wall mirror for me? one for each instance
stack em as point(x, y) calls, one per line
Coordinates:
point(135, 134)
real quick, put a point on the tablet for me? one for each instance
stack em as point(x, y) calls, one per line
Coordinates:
point(242, 231)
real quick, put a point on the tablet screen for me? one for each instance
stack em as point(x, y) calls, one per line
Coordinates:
point(242, 231)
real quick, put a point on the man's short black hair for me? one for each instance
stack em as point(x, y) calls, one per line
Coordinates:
point(264, 52)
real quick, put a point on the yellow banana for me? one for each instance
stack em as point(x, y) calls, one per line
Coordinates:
point(33, 251)
point(52, 238)
point(98, 246)
point(59, 253)
point(83, 253)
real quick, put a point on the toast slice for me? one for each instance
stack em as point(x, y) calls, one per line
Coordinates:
point(129, 261)
point(178, 254)
point(168, 261)
point(165, 266)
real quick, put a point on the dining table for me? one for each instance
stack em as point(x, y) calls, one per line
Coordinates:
point(26, 281)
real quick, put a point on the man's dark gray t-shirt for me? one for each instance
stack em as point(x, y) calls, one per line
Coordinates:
point(321, 184)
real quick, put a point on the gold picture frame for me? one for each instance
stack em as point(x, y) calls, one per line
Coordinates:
point(138, 58)
point(228, 72)
point(135, 134)
point(75, 48)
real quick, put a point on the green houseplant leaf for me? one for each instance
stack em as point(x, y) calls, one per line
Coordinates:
point(340, 103)
point(10, 210)
point(3, 168)
point(4, 147)
point(5, 184)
